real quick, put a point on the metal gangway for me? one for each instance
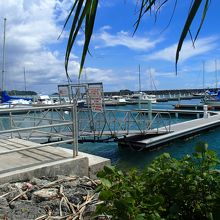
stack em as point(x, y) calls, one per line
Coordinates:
point(115, 123)
point(46, 126)
point(66, 124)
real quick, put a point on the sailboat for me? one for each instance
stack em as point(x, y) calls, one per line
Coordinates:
point(142, 96)
point(212, 97)
point(6, 100)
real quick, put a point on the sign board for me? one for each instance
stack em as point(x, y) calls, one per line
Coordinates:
point(95, 97)
point(63, 91)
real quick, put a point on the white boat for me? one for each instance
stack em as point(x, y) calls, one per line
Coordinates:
point(143, 97)
point(212, 99)
point(18, 103)
point(115, 100)
point(13, 101)
point(44, 100)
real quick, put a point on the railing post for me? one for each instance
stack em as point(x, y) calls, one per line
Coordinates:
point(10, 118)
point(75, 129)
point(179, 98)
point(150, 112)
point(205, 111)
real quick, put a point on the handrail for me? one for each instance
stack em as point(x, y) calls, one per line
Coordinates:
point(50, 121)
point(114, 122)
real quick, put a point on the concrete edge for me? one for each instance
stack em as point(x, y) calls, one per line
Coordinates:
point(96, 163)
point(71, 166)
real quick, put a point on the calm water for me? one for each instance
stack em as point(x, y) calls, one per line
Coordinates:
point(126, 158)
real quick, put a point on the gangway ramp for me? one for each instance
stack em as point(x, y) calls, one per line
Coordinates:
point(179, 130)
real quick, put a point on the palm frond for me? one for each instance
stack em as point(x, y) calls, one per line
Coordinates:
point(205, 9)
point(82, 13)
point(192, 13)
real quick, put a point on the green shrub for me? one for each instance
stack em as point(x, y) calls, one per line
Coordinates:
point(168, 188)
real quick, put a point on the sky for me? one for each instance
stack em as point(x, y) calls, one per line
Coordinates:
point(34, 52)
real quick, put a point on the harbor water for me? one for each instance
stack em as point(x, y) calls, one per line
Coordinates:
point(126, 158)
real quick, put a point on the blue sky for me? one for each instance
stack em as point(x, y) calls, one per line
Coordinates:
point(31, 43)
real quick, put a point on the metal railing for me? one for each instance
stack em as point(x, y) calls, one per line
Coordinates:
point(55, 125)
point(62, 124)
point(120, 122)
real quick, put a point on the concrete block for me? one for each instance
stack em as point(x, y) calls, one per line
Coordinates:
point(72, 166)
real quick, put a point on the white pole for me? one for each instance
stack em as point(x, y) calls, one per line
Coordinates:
point(216, 75)
point(25, 87)
point(3, 56)
point(203, 78)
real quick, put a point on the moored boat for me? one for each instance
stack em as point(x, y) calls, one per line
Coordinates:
point(143, 97)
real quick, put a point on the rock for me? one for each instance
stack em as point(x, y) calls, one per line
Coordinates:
point(5, 211)
point(76, 195)
point(5, 188)
point(3, 202)
point(45, 194)
point(39, 182)
point(19, 185)
point(42, 201)
point(54, 206)
point(26, 210)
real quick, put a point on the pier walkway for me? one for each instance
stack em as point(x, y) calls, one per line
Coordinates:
point(179, 130)
point(181, 112)
point(116, 123)
point(22, 160)
point(23, 157)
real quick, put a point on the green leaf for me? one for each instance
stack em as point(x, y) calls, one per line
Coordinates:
point(109, 169)
point(201, 147)
point(90, 20)
point(209, 216)
point(83, 12)
point(205, 9)
point(141, 216)
point(105, 195)
point(106, 182)
point(193, 11)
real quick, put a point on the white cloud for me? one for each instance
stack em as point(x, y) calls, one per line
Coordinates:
point(211, 65)
point(31, 38)
point(123, 38)
point(202, 46)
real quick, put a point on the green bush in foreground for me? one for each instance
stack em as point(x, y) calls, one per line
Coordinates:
point(188, 188)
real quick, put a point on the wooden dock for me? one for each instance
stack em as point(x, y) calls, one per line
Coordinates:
point(179, 130)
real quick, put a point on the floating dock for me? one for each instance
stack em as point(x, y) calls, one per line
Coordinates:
point(179, 112)
point(196, 107)
point(179, 130)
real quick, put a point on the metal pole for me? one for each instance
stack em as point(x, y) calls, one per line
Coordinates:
point(75, 130)
point(149, 111)
point(178, 98)
point(216, 75)
point(203, 78)
point(3, 55)
point(139, 78)
point(25, 88)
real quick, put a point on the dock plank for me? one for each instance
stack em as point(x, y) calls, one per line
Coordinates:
point(27, 158)
point(178, 130)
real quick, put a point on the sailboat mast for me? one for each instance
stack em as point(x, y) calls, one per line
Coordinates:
point(216, 75)
point(25, 87)
point(139, 78)
point(3, 55)
point(203, 78)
